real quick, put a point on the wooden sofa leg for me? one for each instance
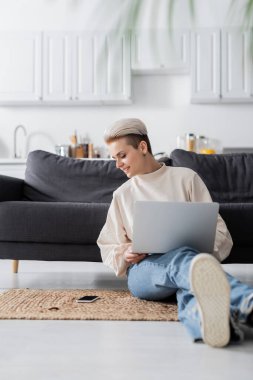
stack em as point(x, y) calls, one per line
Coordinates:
point(15, 266)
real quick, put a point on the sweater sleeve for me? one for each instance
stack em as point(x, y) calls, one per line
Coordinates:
point(223, 241)
point(113, 240)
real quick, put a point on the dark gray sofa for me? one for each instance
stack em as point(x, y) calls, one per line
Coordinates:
point(229, 179)
point(57, 212)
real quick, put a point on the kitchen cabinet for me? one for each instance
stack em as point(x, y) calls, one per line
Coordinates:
point(160, 51)
point(102, 71)
point(116, 83)
point(70, 68)
point(20, 67)
point(206, 65)
point(57, 67)
point(86, 79)
point(221, 65)
point(236, 65)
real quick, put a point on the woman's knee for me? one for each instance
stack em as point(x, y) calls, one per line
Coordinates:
point(144, 288)
point(136, 286)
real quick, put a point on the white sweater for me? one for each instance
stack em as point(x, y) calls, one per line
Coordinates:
point(165, 184)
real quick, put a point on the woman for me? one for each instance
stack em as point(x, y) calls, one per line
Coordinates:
point(202, 288)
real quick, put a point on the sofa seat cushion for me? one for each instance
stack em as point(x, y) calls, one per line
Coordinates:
point(50, 178)
point(46, 222)
point(228, 177)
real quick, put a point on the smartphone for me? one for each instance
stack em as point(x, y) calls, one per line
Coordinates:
point(87, 299)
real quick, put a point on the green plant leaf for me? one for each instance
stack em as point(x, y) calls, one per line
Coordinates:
point(171, 6)
point(192, 9)
point(248, 14)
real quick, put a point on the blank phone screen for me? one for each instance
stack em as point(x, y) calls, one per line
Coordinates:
point(87, 299)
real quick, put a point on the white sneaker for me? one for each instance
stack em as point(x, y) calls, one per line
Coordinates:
point(212, 291)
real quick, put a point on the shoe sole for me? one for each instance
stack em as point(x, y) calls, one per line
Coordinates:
point(212, 291)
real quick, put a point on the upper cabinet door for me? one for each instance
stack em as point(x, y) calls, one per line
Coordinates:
point(206, 65)
point(101, 68)
point(115, 68)
point(86, 67)
point(236, 64)
point(57, 69)
point(20, 66)
point(160, 51)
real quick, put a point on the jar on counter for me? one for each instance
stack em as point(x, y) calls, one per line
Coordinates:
point(62, 150)
point(201, 143)
point(190, 142)
point(204, 145)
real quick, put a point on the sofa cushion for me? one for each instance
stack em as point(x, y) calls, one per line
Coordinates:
point(50, 252)
point(47, 222)
point(50, 178)
point(228, 177)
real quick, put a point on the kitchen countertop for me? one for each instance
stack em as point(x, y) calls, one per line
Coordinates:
point(12, 161)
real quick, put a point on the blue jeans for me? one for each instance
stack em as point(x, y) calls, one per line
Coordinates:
point(159, 276)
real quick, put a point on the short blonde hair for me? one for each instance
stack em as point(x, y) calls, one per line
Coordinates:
point(124, 127)
point(134, 130)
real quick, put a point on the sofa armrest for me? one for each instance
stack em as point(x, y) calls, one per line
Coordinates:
point(11, 188)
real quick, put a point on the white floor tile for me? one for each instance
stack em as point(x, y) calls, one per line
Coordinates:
point(45, 350)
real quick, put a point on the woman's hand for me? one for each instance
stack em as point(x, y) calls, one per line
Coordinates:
point(133, 258)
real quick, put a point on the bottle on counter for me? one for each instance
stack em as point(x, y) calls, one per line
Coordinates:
point(190, 142)
point(76, 149)
point(90, 150)
point(73, 145)
point(79, 153)
point(85, 145)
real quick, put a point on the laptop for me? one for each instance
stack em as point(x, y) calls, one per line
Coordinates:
point(159, 227)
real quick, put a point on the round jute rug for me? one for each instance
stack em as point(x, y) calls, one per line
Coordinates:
point(61, 304)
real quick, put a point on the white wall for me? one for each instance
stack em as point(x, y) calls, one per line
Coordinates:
point(163, 102)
